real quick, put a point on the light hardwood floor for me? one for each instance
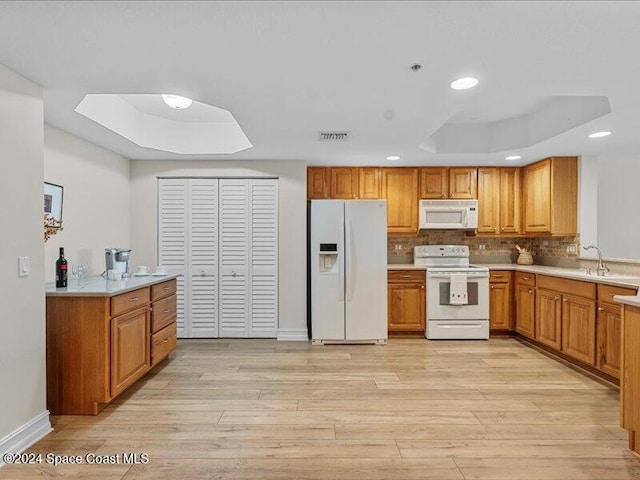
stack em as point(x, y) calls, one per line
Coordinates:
point(261, 409)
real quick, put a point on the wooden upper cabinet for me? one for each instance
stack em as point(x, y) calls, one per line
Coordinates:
point(463, 183)
point(400, 189)
point(344, 183)
point(434, 182)
point(489, 200)
point(510, 222)
point(369, 183)
point(318, 182)
point(551, 196)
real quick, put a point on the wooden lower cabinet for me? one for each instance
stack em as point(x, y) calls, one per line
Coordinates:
point(406, 298)
point(630, 375)
point(579, 328)
point(500, 300)
point(549, 318)
point(98, 346)
point(525, 310)
point(130, 349)
point(608, 338)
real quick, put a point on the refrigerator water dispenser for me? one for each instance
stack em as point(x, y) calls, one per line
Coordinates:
point(328, 258)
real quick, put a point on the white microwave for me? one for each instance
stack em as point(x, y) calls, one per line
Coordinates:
point(448, 214)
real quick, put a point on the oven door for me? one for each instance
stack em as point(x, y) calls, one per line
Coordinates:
point(439, 306)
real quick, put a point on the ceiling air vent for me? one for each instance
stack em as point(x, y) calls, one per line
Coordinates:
point(334, 136)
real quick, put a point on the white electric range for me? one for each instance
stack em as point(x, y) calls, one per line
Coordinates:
point(457, 293)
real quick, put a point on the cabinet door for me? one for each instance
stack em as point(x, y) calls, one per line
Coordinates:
point(500, 306)
point(344, 183)
point(463, 182)
point(130, 355)
point(400, 189)
point(537, 198)
point(549, 318)
point(525, 310)
point(608, 335)
point(488, 200)
point(630, 374)
point(407, 304)
point(434, 182)
point(510, 200)
point(369, 183)
point(318, 182)
point(579, 328)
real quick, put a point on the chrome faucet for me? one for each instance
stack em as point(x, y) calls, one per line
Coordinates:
point(602, 268)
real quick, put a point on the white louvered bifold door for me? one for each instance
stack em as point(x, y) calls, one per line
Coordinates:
point(234, 253)
point(263, 255)
point(172, 238)
point(203, 255)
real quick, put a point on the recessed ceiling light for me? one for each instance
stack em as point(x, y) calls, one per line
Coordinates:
point(513, 157)
point(176, 101)
point(464, 83)
point(393, 157)
point(599, 134)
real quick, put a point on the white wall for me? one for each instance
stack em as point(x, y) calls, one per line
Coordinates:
point(588, 204)
point(96, 205)
point(292, 216)
point(618, 205)
point(22, 306)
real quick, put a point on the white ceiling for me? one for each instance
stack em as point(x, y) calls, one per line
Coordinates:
point(287, 70)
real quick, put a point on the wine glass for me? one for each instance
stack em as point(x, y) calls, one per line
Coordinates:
point(78, 271)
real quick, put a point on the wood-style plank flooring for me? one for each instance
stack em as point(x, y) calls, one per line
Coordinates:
point(413, 409)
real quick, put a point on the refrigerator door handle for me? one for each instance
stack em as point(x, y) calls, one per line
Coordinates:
point(350, 279)
point(341, 259)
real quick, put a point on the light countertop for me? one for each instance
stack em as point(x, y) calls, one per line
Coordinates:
point(627, 300)
point(97, 286)
point(628, 281)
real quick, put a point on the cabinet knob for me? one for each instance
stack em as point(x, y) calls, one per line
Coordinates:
point(492, 287)
point(565, 299)
point(421, 287)
point(600, 309)
point(556, 298)
point(530, 291)
point(134, 299)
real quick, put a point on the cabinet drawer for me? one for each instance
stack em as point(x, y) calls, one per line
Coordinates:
point(163, 343)
point(500, 276)
point(606, 293)
point(406, 276)
point(571, 287)
point(163, 312)
point(163, 289)
point(526, 279)
point(129, 301)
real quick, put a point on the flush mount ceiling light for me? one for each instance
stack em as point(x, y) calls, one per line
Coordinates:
point(600, 134)
point(176, 101)
point(513, 157)
point(464, 83)
point(393, 157)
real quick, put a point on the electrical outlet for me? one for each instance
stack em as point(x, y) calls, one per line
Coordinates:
point(397, 248)
point(572, 249)
point(481, 246)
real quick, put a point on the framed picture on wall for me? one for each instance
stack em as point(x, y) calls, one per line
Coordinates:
point(53, 201)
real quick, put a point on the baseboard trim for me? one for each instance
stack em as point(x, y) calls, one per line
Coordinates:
point(293, 334)
point(26, 435)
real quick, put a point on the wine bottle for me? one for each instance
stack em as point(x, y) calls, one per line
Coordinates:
point(61, 270)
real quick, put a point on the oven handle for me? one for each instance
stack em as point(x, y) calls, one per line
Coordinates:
point(448, 275)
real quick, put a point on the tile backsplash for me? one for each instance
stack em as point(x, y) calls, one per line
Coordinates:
point(483, 249)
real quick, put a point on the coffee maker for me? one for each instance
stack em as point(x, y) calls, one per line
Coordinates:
point(118, 259)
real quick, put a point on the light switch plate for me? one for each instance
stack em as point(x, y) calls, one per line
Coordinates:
point(24, 266)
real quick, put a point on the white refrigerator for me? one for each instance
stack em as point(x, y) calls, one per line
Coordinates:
point(348, 257)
